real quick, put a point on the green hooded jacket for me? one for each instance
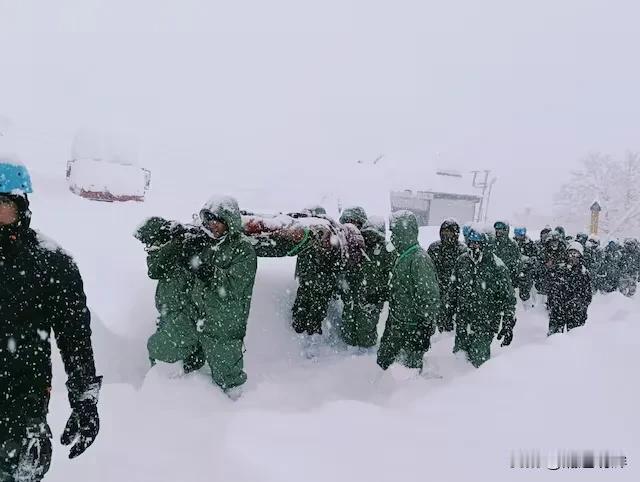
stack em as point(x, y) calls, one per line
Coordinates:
point(508, 251)
point(355, 215)
point(481, 294)
point(226, 270)
point(414, 295)
point(444, 257)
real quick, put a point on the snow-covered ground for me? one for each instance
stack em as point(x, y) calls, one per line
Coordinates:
point(333, 417)
point(285, 104)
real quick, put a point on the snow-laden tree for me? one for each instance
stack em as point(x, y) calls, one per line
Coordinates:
point(615, 184)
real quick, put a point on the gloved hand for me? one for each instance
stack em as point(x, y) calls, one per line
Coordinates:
point(524, 295)
point(34, 456)
point(193, 242)
point(505, 334)
point(176, 230)
point(84, 424)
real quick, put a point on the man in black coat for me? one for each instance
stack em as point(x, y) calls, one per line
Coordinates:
point(569, 293)
point(41, 291)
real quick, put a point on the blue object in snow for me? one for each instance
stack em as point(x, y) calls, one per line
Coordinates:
point(14, 179)
point(520, 232)
point(475, 236)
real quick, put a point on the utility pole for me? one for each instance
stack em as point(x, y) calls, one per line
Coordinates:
point(480, 181)
point(486, 210)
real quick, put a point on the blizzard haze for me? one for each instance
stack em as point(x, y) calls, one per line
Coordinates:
point(287, 87)
point(275, 101)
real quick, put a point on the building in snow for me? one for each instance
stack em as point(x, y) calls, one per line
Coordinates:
point(447, 194)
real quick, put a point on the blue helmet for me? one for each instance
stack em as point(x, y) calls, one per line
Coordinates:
point(466, 229)
point(520, 232)
point(475, 236)
point(14, 179)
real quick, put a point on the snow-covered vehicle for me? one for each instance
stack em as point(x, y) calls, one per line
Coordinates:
point(100, 180)
point(102, 168)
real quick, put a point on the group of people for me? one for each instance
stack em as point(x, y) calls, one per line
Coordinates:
point(569, 270)
point(614, 267)
point(206, 273)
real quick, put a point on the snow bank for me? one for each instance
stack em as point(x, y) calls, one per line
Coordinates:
point(333, 419)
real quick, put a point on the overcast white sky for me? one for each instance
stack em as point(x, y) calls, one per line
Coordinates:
point(524, 88)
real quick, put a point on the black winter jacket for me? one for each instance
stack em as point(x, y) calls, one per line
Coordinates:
point(41, 292)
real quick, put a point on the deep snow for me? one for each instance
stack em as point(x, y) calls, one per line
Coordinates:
point(333, 417)
point(275, 102)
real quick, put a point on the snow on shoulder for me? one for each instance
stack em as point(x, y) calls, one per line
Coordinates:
point(49, 244)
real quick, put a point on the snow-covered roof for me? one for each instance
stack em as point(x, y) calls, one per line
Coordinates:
point(445, 181)
point(439, 183)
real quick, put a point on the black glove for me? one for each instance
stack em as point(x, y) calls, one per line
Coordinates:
point(35, 454)
point(194, 242)
point(84, 424)
point(507, 333)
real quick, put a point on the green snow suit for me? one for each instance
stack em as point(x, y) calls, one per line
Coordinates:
point(444, 257)
point(508, 251)
point(368, 289)
point(414, 298)
point(528, 260)
point(479, 298)
point(216, 280)
point(317, 268)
